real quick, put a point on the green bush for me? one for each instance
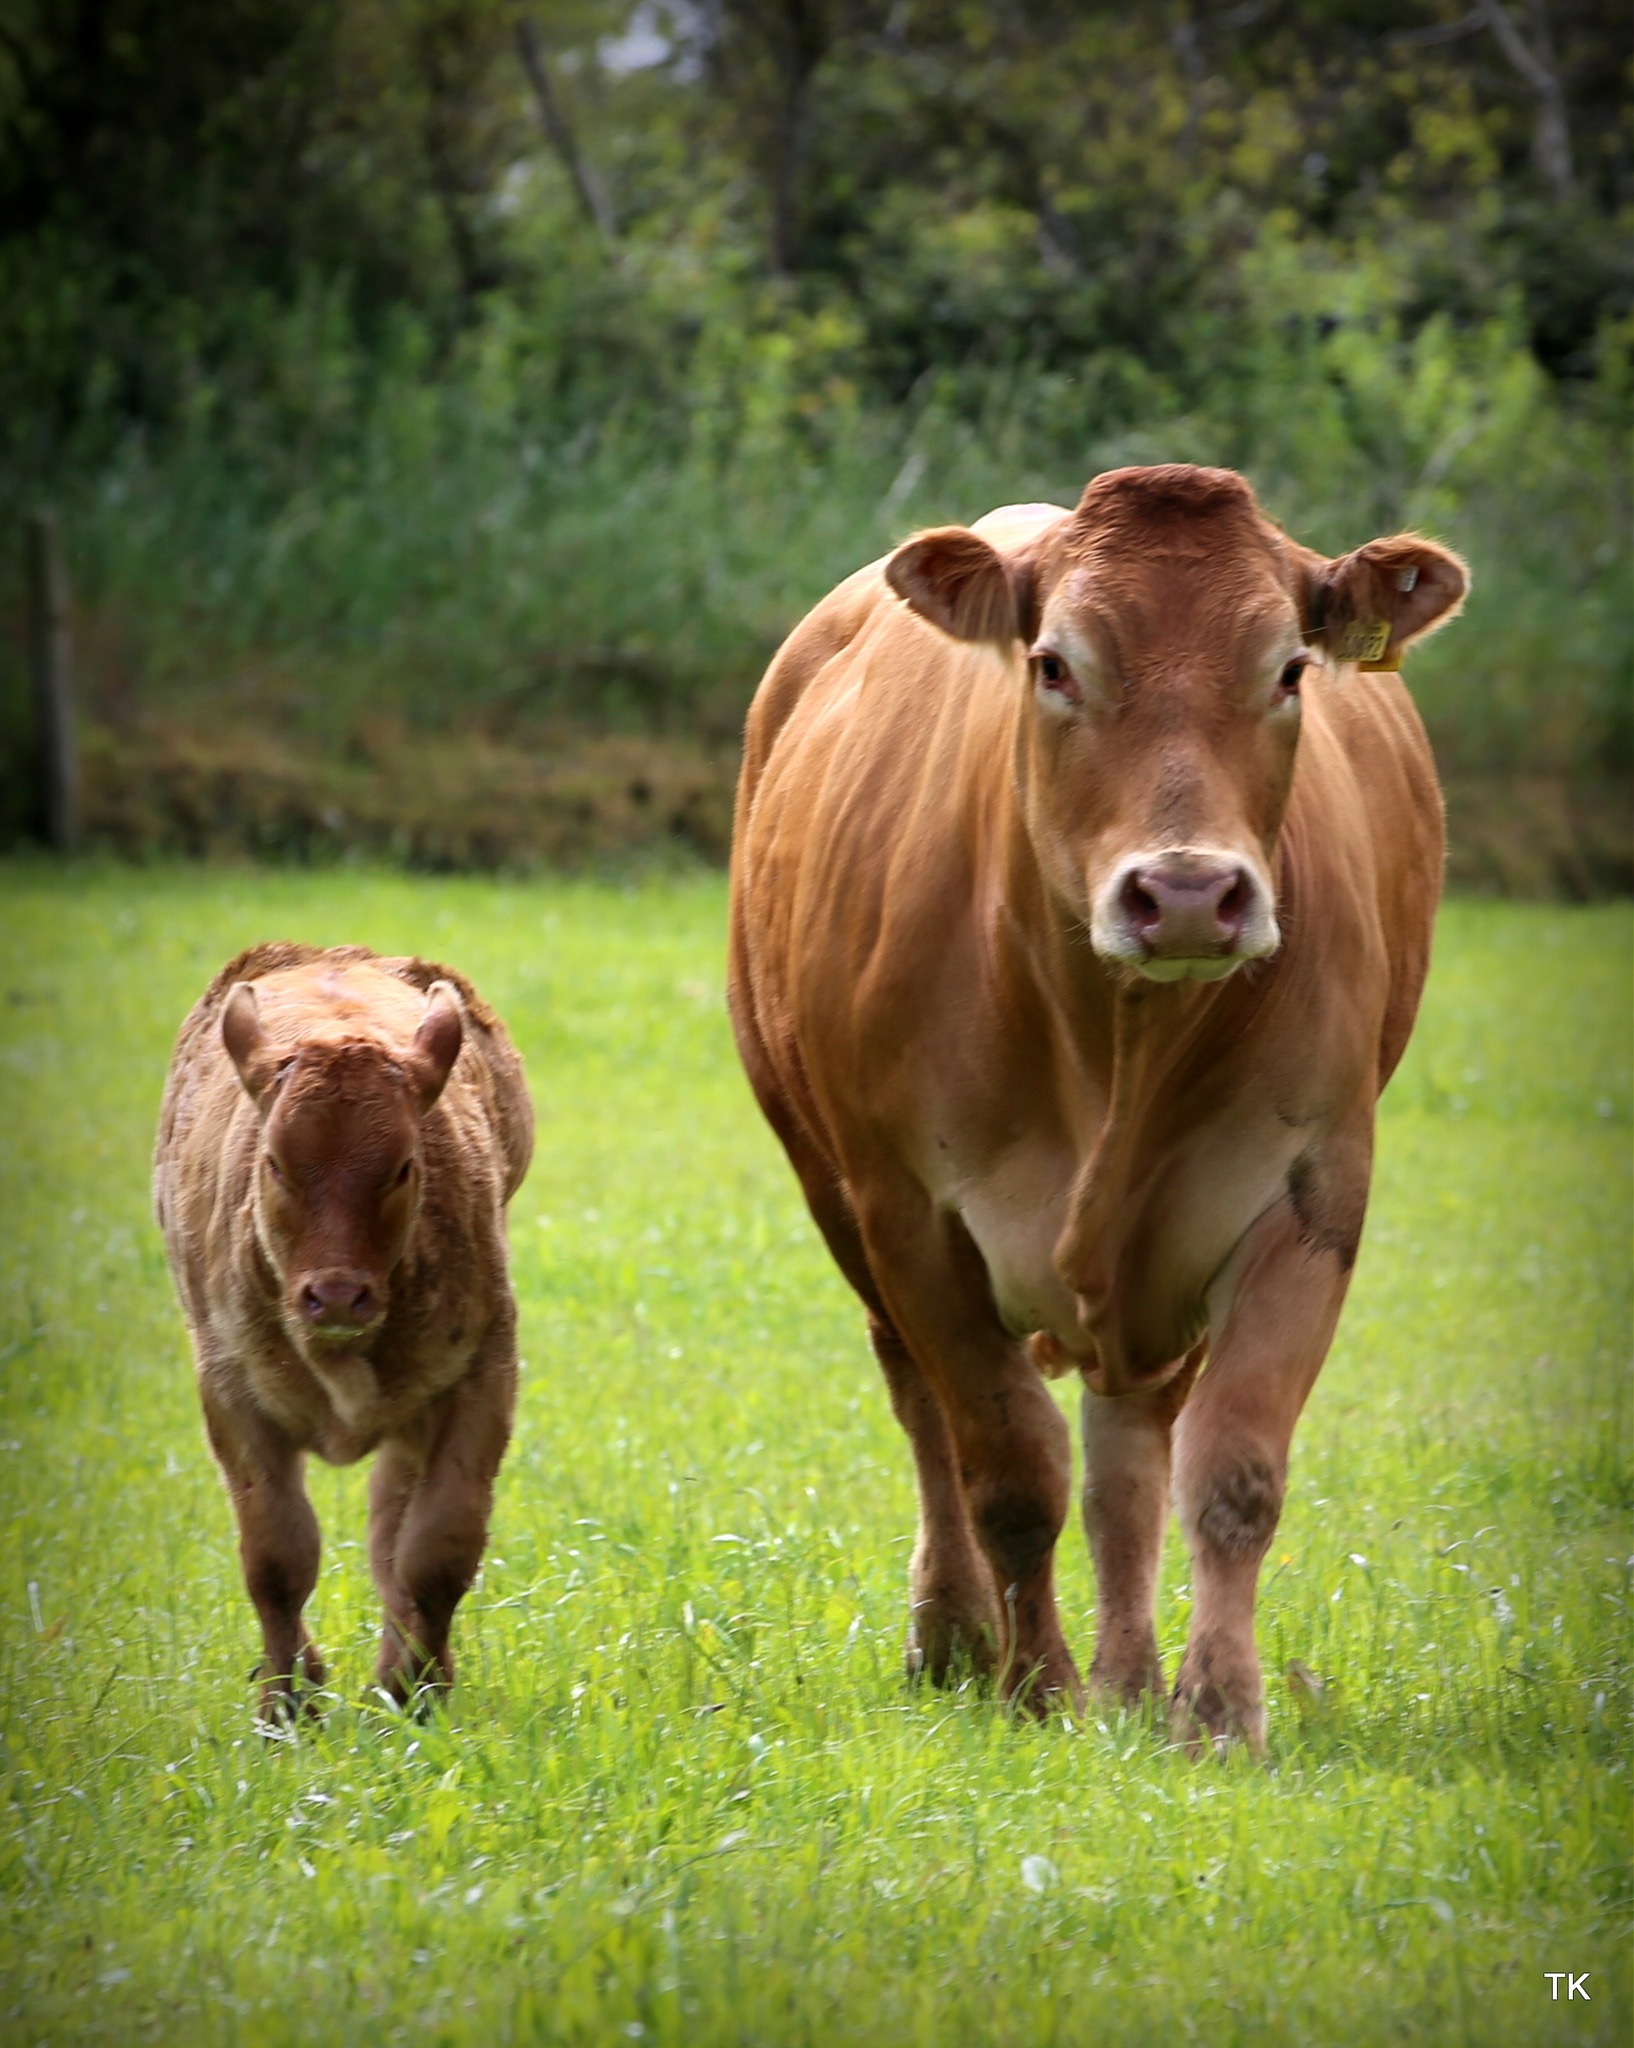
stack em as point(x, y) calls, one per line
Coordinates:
point(377, 528)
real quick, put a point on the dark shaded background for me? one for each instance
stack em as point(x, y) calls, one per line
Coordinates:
point(449, 404)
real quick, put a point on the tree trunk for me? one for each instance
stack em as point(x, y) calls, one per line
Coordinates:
point(793, 147)
point(1536, 64)
point(51, 662)
point(592, 194)
point(797, 35)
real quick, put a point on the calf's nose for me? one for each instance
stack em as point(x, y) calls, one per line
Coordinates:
point(1185, 909)
point(338, 1301)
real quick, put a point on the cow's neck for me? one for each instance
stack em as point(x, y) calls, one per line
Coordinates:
point(1151, 1062)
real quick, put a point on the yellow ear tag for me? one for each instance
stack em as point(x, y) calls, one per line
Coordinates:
point(1364, 640)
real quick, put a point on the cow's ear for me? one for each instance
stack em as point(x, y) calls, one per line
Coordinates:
point(437, 1042)
point(245, 1038)
point(1370, 606)
point(953, 578)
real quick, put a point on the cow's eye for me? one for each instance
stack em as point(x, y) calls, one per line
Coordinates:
point(402, 1173)
point(1057, 678)
point(1292, 673)
point(275, 1169)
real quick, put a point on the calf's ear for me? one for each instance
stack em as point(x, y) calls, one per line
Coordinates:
point(437, 1042)
point(954, 579)
point(245, 1038)
point(1371, 605)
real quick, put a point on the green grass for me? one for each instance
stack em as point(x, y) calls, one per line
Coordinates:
point(682, 1795)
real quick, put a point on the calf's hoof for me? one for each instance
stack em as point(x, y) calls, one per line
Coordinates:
point(418, 1687)
point(419, 1702)
point(285, 1705)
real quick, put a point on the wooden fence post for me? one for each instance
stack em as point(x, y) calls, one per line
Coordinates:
point(51, 657)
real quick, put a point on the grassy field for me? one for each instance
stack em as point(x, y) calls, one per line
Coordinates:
point(683, 1795)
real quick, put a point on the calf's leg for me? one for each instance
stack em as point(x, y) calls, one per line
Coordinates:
point(430, 1498)
point(1126, 1508)
point(1282, 1297)
point(278, 1546)
point(398, 1468)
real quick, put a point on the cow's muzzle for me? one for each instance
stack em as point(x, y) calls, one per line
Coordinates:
point(338, 1305)
point(1185, 916)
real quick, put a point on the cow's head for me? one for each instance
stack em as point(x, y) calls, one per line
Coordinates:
point(338, 1179)
point(1168, 630)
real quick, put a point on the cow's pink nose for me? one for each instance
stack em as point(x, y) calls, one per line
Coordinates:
point(1185, 909)
point(338, 1301)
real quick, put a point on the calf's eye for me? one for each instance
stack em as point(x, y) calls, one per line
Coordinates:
point(275, 1169)
point(402, 1173)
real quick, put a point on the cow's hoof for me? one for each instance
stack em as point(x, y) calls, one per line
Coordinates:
point(1051, 1686)
point(948, 1653)
point(1206, 1720)
point(1127, 1687)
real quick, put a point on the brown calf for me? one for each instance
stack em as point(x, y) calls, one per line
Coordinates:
point(1083, 878)
point(338, 1140)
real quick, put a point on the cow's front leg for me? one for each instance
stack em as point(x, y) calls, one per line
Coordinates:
point(1015, 1458)
point(1279, 1299)
point(431, 1494)
point(1126, 1509)
point(278, 1546)
point(1010, 1443)
point(953, 1619)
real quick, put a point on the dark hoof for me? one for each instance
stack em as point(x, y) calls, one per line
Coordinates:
point(284, 1708)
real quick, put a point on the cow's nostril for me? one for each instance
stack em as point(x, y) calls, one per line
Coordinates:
point(311, 1303)
point(1232, 908)
point(1139, 905)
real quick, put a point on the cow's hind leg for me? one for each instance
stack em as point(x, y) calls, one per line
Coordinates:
point(1126, 1509)
point(278, 1547)
point(430, 1497)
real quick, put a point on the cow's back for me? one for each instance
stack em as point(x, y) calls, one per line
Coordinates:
point(832, 627)
point(1392, 770)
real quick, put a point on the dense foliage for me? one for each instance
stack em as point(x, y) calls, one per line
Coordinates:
point(447, 348)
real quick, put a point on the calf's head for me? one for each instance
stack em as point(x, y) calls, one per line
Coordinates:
point(1168, 630)
point(338, 1178)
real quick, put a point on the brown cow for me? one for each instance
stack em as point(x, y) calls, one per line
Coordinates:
point(339, 1137)
point(1083, 883)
